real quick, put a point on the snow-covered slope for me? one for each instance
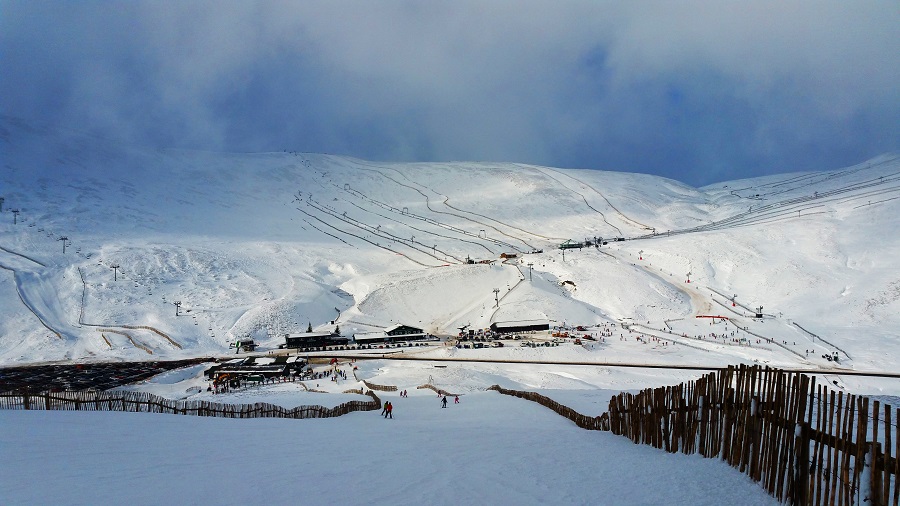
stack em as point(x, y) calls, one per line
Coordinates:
point(262, 244)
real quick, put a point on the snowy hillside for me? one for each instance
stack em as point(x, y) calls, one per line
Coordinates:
point(263, 244)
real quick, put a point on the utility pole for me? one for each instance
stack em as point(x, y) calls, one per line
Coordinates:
point(496, 297)
point(564, 255)
point(15, 215)
point(115, 268)
point(529, 271)
point(64, 240)
point(177, 306)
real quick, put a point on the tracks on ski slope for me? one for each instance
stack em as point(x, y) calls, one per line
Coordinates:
point(130, 327)
point(691, 295)
point(26, 257)
point(511, 289)
point(380, 233)
point(134, 342)
point(420, 229)
point(447, 199)
point(649, 331)
point(698, 302)
point(412, 215)
point(458, 230)
point(808, 179)
point(769, 339)
point(378, 169)
point(610, 204)
point(814, 336)
point(28, 305)
point(328, 233)
point(617, 229)
point(377, 245)
point(783, 210)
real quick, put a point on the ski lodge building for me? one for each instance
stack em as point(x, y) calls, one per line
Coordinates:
point(520, 326)
point(313, 340)
point(392, 334)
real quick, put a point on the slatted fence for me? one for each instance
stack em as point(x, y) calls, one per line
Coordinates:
point(804, 443)
point(86, 400)
point(381, 388)
point(584, 421)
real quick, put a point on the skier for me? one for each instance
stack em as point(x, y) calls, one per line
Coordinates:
point(444, 402)
point(456, 400)
point(383, 408)
point(390, 409)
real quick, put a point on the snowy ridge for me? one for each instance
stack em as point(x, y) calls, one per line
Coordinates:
point(263, 244)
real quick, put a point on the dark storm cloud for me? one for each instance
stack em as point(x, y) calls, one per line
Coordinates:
point(694, 91)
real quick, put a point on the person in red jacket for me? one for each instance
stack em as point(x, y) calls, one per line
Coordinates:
point(390, 409)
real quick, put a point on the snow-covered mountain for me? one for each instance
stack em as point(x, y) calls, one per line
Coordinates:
point(265, 243)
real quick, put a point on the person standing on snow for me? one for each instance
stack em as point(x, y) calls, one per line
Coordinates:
point(383, 408)
point(444, 402)
point(390, 409)
point(456, 400)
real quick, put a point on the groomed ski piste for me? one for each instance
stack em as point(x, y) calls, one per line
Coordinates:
point(259, 245)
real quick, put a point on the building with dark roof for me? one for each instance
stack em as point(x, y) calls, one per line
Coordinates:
point(313, 340)
point(520, 326)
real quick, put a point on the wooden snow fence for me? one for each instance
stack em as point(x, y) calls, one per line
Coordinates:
point(804, 443)
point(373, 386)
point(143, 402)
point(380, 388)
point(584, 421)
point(439, 391)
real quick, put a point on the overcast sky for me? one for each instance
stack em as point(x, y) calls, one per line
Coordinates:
point(695, 91)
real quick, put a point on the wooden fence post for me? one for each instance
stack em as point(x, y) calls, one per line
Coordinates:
point(800, 488)
point(870, 488)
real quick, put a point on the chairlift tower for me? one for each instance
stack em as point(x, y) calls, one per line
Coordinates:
point(641, 255)
point(15, 216)
point(1, 204)
point(529, 271)
point(688, 277)
point(115, 268)
point(64, 240)
point(496, 297)
point(177, 307)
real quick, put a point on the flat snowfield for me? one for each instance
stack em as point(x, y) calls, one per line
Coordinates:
point(488, 449)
